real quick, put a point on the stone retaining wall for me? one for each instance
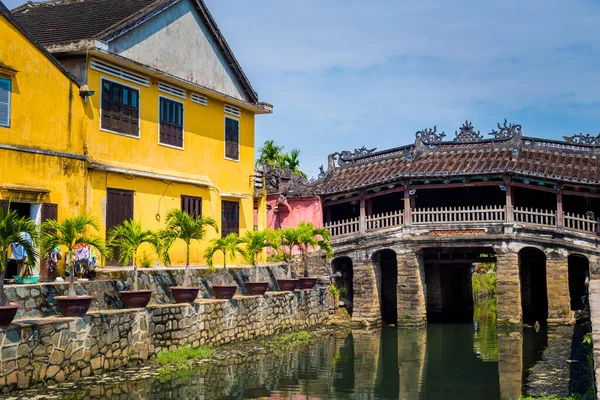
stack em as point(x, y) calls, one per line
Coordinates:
point(58, 349)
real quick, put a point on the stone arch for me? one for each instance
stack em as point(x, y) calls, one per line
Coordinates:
point(385, 264)
point(579, 273)
point(533, 282)
point(344, 266)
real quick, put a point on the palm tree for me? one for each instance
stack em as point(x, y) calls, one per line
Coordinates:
point(288, 238)
point(270, 154)
point(71, 232)
point(256, 242)
point(127, 239)
point(181, 225)
point(310, 237)
point(229, 246)
point(12, 229)
point(291, 161)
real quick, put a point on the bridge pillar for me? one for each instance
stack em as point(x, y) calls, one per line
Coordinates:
point(411, 292)
point(510, 363)
point(367, 303)
point(508, 287)
point(557, 282)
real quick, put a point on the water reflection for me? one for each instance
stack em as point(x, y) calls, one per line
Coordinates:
point(444, 361)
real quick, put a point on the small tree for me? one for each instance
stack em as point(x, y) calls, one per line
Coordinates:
point(70, 233)
point(12, 229)
point(309, 238)
point(127, 239)
point(229, 246)
point(256, 242)
point(288, 238)
point(181, 225)
point(270, 154)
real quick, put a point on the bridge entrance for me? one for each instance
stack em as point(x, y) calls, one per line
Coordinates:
point(448, 276)
point(387, 265)
point(345, 281)
point(534, 293)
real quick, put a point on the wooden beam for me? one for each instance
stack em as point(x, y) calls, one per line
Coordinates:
point(509, 201)
point(462, 260)
point(383, 193)
point(534, 187)
point(361, 220)
point(457, 185)
point(340, 201)
point(582, 194)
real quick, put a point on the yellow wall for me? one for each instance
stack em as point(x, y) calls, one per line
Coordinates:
point(47, 111)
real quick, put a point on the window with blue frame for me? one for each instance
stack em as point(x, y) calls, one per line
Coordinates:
point(5, 92)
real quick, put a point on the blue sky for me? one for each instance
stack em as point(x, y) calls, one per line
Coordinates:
point(346, 73)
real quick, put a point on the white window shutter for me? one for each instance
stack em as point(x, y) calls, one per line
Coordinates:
point(4, 102)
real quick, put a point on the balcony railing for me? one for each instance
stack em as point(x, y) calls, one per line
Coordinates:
point(441, 216)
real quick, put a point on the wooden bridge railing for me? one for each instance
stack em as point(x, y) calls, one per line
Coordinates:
point(534, 216)
point(459, 215)
point(384, 220)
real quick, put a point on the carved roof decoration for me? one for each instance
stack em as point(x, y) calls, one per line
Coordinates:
point(574, 160)
point(467, 133)
point(586, 140)
point(279, 180)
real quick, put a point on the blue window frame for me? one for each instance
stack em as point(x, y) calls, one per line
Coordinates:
point(5, 87)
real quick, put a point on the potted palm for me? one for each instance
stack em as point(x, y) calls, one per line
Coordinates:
point(309, 238)
point(229, 246)
point(125, 240)
point(12, 229)
point(69, 233)
point(287, 239)
point(181, 225)
point(256, 242)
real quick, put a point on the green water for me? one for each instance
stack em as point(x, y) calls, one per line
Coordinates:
point(442, 361)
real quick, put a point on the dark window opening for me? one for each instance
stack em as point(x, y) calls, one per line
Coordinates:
point(385, 203)
point(536, 199)
point(171, 122)
point(232, 138)
point(343, 211)
point(230, 221)
point(120, 108)
point(192, 205)
point(460, 197)
point(588, 207)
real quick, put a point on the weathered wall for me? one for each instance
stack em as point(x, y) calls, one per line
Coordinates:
point(594, 293)
point(59, 349)
point(194, 57)
point(293, 211)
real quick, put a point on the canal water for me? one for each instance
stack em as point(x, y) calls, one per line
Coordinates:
point(442, 361)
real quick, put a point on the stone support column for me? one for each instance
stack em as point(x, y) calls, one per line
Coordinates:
point(510, 363)
point(411, 291)
point(366, 284)
point(508, 287)
point(557, 284)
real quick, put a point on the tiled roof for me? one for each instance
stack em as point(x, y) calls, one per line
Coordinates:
point(573, 161)
point(64, 21)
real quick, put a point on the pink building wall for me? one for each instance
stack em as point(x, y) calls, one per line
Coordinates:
point(292, 211)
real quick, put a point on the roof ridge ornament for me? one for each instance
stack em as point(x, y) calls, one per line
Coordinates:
point(467, 133)
point(581, 139)
point(430, 136)
point(506, 131)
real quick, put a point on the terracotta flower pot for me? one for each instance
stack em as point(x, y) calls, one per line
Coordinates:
point(184, 294)
point(224, 291)
point(7, 313)
point(257, 288)
point(135, 298)
point(307, 283)
point(287, 285)
point(73, 306)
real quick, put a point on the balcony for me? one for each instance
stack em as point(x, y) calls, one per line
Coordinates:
point(447, 217)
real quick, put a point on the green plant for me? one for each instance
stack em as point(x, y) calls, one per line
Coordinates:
point(270, 154)
point(337, 291)
point(229, 246)
point(256, 242)
point(588, 339)
point(69, 233)
point(179, 363)
point(127, 239)
point(144, 260)
point(407, 316)
point(553, 397)
point(181, 225)
point(289, 340)
point(12, 228)
point(310, 237)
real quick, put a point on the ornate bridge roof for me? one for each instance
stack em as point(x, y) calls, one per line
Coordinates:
point(469, 153)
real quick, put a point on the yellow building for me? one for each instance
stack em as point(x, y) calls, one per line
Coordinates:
point(153, 113)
